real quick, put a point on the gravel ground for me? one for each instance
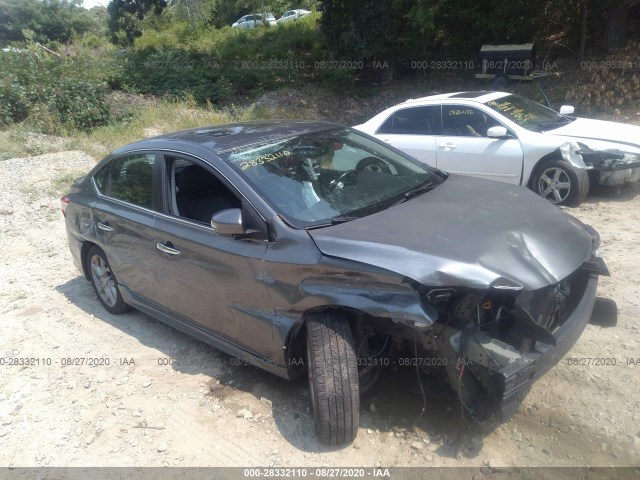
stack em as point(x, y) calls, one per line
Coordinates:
point(204, 410)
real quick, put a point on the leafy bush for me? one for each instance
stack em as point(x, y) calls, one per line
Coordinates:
point(53, 92)
point(217, 65)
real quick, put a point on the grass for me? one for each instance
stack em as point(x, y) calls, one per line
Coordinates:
point(60, 184)
point(160, 117)
point(151, 118)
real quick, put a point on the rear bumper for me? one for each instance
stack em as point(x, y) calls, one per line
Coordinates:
point(515, 379)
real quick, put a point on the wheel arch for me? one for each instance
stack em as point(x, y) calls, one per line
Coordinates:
point(358, 319)
point(295, 344)
point(549, 157)
point(86, 246)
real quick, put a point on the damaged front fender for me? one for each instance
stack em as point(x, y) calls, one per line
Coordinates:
point(399, 303)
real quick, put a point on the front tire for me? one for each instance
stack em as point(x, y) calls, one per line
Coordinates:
point(333, 378)
point(104, 282)
point(561, 183)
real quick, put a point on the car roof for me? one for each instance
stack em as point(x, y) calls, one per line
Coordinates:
point(480, 96)
point(220, 138)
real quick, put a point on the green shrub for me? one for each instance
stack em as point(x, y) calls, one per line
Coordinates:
point(219, 65)
point(56, 91)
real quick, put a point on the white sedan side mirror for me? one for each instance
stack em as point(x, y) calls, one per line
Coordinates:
point(566, 110)
point(497, 132)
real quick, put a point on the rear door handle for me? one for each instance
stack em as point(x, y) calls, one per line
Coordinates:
point(105, 227)
point(167, 248)
point(448, 146)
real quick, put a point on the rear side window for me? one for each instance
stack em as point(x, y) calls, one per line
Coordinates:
point(412, 121)
point(131, 179)
point(101, 179)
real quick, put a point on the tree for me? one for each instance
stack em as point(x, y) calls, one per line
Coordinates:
point(615, 34)
point(49, 20)
point(125, 18)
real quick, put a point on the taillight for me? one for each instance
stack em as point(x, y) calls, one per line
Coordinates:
point(64, 201)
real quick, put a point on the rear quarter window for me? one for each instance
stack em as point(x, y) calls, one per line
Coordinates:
point(101, 178)
point(131, 179)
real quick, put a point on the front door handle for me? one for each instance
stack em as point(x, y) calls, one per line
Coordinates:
point(167, 248)
point(448, 146)
point(105, 227)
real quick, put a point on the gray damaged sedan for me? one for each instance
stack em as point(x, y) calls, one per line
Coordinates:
point(312, 248)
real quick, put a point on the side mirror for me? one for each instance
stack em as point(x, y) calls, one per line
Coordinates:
point(498, 132)
point(566, 110)
point(228, 222)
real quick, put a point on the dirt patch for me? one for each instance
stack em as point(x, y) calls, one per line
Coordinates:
point(104, 390)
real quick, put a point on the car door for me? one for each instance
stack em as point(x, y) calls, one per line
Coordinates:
point(465, 148)
point(413, 130)
point(123, 216)
point(211, 280)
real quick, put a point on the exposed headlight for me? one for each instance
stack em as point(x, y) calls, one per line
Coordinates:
point(608, 158)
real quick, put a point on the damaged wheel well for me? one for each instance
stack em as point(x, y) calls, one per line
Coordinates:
point(550, 157)
point(360, 322)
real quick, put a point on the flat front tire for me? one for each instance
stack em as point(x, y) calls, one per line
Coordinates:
point(333, 378)
point(561, 183)
point(104, 282)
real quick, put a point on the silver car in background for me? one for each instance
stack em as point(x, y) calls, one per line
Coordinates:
point(292, 15)
point(255, 19)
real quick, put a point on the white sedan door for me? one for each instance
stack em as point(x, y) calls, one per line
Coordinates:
point(464, 147)
point(413, 131)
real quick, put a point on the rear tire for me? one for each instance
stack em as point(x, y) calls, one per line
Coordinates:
point(333, 378)
point(104, 282)
point(561, 183)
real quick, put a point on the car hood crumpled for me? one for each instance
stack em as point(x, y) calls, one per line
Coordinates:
point(589, 129)
point(466, 232)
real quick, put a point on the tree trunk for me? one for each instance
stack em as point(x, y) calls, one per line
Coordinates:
point(583, 31)
point(615, 34)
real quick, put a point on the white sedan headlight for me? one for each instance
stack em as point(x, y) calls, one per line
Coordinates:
point(608, 158)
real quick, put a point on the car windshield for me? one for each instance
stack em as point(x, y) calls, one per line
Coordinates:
point(527, 113)
point(330, 177)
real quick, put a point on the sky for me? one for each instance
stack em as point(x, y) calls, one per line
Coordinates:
point(93, 3)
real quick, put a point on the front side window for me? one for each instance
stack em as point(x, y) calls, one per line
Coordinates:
point(465, 121)
point(319, 178)
point(412, 121)
point(196, 193)
point(131, 179)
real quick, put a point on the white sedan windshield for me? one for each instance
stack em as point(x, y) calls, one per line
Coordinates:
point(527, 113)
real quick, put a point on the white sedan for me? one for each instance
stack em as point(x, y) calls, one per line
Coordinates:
point(291, 15)
point(509, 138)
point(255, 19)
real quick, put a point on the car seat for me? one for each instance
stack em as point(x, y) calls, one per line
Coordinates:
point(200, 194)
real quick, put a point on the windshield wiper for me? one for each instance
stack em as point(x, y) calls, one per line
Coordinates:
point(342, 219)
point(333, 221)
point(556, 122)
point(414, 192)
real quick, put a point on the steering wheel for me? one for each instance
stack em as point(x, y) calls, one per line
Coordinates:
point(348, 177)
point(373, 164)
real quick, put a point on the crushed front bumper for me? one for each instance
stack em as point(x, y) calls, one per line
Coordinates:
point(515, 379)
point(616, 176)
